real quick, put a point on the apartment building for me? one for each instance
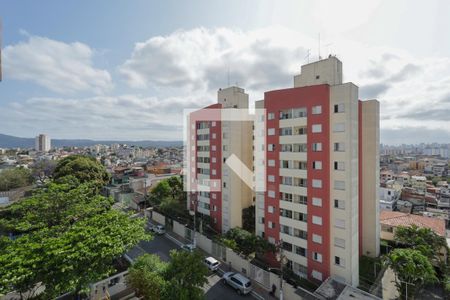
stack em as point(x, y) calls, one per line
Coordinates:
point(42, 143)
point(322, 166)
point(218, 134)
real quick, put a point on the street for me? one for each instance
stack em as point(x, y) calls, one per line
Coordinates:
point(160, 245)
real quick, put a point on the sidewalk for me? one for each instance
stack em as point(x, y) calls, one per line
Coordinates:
point(258, 292)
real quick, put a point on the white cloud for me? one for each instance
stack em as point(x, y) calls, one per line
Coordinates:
point(200, 59)
point(57, 66)
point(101, 117)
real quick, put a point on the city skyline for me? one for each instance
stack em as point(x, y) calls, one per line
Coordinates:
point(78, 75)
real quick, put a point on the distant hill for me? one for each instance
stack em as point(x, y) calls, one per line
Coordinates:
point(9, 141)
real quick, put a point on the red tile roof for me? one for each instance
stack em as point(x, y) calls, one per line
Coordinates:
point(396, 218)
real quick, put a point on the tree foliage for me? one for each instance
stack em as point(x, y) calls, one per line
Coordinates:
point(248, 219)
point(412, 268)
point(84, 168)
point(66, 235)
point(245, 242)
point(43, 170)
point(15, 178)
point(181, 278)
point(423, 239)
point(68, 259)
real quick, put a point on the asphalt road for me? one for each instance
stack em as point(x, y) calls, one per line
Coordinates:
point(215, 289)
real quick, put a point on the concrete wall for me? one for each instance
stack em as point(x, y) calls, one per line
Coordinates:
point(179, 228)
point(371, 179)
point(159, 218)
point(204, 243)
point(238, 262)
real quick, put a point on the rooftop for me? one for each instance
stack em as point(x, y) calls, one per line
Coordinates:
point(334, 289)
point(396, 218)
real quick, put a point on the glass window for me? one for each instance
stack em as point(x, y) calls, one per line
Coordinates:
point(317, 238)
point(317, 220)
point(338, 127)
point(317, 128)
point(317, 165)
point(316, 110)
point(317, 201)
point(339, 108)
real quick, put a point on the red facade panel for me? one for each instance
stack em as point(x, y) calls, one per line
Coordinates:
point(306, 97)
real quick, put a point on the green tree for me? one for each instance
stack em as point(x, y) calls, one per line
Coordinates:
point(160, 192)
point(43, 170)
point(413, 270)
point(186, 274)
point(15, 178)
point(146, 276)
point(423, 239)
point(181, 278)
point(84, 168)
point(69, 259)
point(248, 219)
point(57, 205)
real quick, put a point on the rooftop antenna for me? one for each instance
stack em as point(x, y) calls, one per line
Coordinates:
point(327, 46)
point(308, 53)
point(319, 47)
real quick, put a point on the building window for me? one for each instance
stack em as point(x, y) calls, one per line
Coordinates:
point(339, 147)
point(300, 234)
point(317, 275)
point(271, 178)
point(300, 130)
point(270, 209)
point(339, 185)
point(272, 224)
point(339, 127)
point(213, 159)
point(300, 251)
point(317, 238)
point(317, 165)
point(224, 184)
point(225, 148)
point(339, 204)
point(271, 163)
point(317, 183)
point(317, 201)
point(338, 242)
point(317, 257)
point(300, 199)
point(271, 131)
point(213, 171)
point(339, 108)
point(339, 165)
point(317, 220)
point(213, 148)
point(339, 261)
point(287, 246)
point(213, 124)
point(271, 147)
point(317, 110)
point(299, 112)
point(299, 148)
point(285, 131)
point(214, 136)
point(317, 128)
point(339, 223)
point(300, 216)
point(271, 194)
point(270, 116)
point(214, 195)
point(317, 147)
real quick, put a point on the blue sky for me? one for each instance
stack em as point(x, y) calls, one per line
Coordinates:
point(126, 69)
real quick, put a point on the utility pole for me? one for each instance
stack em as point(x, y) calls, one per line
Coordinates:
point(280, 258)
point(195, 217)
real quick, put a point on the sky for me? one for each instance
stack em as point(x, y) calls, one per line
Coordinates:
point(125, 70)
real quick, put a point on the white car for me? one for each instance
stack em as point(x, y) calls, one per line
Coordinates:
point(212, 263)
point(239, 282)
point(188, 247)
point(159, 229)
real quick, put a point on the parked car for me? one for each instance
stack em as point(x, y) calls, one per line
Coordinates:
point(188, 247)
point(212, 263)
point(239, 282)
point(159, 229)
point(151, 227)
